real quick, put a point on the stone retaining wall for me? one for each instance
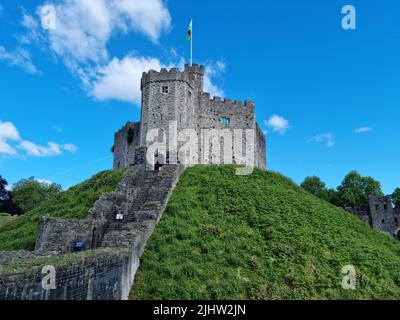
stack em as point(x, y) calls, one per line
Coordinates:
point(106, 273)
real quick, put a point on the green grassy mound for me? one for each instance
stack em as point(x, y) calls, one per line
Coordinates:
point(261, 237)
point(20, 234)
point(4, 218)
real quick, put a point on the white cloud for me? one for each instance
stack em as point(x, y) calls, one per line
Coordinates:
point(84, 27)
point(120, 79)
point(8, 132)
point(278, 124)
point(33, 150)
point(80, 39)
point(20, 57)
point(70, 147)
point(327, 138)
point(45, 181)
point(211, 88)
point(363, 130)
point(31, 24)
point(212, 70)
point(51, 149)
point(150, 17)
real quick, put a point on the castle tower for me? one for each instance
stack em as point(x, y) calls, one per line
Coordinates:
point(170, 96)
point(173, 102)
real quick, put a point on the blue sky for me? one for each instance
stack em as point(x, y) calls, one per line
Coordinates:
point(314, 83)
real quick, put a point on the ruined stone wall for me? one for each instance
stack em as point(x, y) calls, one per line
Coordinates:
point(261, 149)
point(126, 141)
point(100, 276)
point(383, 216)
point(59, 235)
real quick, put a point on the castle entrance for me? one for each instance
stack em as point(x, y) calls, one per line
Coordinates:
point(157, 166)
point(158, 161)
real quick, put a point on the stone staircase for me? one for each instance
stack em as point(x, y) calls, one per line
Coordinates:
point(147, 197)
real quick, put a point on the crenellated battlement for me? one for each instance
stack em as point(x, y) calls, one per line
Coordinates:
point(173, 74)
point(248, 105)
point(164, 74)
point(195, 68)
point(189, 75)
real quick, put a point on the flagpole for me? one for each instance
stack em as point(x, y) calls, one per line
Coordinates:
point(191, 47)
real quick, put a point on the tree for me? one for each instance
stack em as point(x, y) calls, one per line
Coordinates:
point(396, 198)
point(355, 189)
point(332, 196)
point(28, 193)
point(7, 204)
point(315, 186)
point(4, 194)
point(318, 188)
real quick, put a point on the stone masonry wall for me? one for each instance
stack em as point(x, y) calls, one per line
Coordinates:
point(109, 271)
point(102, 276)
point(59, 235)
point(380, 215)
point(175, 96)
point(124, 152)
point(261, 159)
point(383, 216)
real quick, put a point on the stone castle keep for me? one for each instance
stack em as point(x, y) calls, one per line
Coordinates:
point(175, 101)
point(97, 258)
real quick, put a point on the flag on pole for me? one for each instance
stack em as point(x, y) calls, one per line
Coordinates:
point(189, 32)
point(190, 38)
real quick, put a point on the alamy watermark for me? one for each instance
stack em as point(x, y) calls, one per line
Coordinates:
point(206, 146)
point(49, 279)
point(48, 17)
point(349, 21)
point(349, 280)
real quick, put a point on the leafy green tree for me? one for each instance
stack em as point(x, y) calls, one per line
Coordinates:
point(355, 189)
point(318, 188)
point(28, 193)
point(7, 204)
point(4, 194)
point(396, 198)
point(332, 196)
point(315, 186)
point(3, 189)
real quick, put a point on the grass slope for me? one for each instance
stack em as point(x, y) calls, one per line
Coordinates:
point(20, 234)
point(261, 237)
point(4, 218)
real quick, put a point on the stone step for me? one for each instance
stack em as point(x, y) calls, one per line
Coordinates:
point(147, 196)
